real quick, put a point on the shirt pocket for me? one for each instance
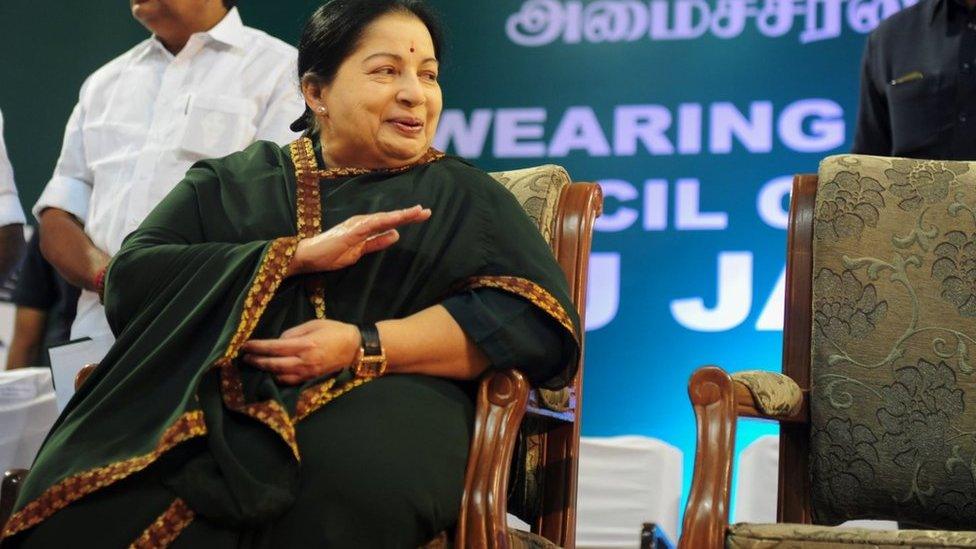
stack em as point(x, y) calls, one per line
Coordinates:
point(218, 125)
point(920, 109)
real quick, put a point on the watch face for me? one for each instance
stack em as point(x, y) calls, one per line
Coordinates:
point(371, 366)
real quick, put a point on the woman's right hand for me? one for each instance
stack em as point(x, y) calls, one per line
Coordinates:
point(344, 244)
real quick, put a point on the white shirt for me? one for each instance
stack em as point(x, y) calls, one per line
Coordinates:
point(10, 211)
point(146, 116)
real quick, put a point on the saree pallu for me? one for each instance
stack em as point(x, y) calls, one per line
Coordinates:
point(174, 440)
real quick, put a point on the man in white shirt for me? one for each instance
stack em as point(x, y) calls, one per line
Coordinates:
point(202, 86)
point(11, 214)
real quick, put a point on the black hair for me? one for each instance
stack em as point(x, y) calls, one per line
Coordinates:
point(229, 4)
point(334, 31)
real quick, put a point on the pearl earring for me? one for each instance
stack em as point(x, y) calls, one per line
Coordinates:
point(321, 110)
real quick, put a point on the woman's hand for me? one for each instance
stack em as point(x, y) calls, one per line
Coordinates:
point(343, 245)
point(307, 351)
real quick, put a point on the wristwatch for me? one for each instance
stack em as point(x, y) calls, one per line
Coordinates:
point(371, 359)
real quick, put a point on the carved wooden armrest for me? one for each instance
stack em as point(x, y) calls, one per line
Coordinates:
point(502, 398)
point(718, 399)
point(769, 395)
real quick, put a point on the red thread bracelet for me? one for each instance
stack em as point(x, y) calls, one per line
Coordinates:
point(100, 283)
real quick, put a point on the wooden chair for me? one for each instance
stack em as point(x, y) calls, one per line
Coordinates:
point(507, 410)
point(509, 413)
point(875, 402)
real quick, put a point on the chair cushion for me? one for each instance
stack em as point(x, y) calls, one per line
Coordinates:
point(775, 394)
point(798, 536)
point(537, 190)
point(893, 384)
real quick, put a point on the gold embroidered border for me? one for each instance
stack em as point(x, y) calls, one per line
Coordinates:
point(269, 412)
point(527, 289)
point(166, 528)
point(317, 396)
point(308, 205)
point(187, 426)
point(432, 155)
point(308, 212)
point(315, 290)
point(274, 267)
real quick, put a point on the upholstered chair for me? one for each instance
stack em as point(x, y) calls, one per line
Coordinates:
point(539, 428)
point(877, 399)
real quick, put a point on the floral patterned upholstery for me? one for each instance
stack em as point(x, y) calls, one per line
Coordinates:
point(775, 394)
point(801, 536)
point(892, 399)
point(537, 190)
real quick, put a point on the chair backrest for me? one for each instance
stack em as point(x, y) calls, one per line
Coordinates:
point(545, 468)
point(538, 190)
point(891, 328)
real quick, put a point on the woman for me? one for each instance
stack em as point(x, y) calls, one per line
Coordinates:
point(278, 386)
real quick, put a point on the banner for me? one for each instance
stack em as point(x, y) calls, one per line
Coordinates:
point(693, 116)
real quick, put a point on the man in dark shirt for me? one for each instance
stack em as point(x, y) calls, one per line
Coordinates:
point(45, 309)
point(918, 84)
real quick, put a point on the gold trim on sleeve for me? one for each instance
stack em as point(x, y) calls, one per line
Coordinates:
point(557, 400)
point(535, 294)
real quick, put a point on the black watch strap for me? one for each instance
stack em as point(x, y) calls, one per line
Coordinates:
point(369, 337)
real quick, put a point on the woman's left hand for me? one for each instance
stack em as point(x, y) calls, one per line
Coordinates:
point(307, 351)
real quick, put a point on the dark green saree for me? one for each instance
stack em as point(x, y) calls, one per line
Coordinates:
point(173, 441)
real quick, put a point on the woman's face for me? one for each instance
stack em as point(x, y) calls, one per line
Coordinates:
point(384, 104)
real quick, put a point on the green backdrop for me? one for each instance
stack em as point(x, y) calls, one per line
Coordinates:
point(692, 113)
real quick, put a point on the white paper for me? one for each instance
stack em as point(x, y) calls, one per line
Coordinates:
point(20, 384)
point(68, 359)
point(27, 411)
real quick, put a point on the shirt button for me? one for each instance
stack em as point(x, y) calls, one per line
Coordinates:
point(962, 118)
point(971, 25)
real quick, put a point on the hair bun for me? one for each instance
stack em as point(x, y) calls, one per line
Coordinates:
point(302, 123)
point(299, 125)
